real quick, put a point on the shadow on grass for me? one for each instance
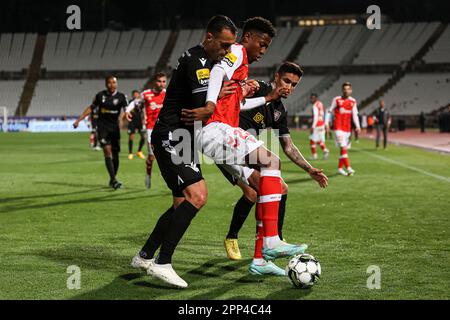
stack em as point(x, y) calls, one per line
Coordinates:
point(307, 179)
point(110, 197)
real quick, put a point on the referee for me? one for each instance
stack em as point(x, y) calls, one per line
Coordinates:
point(110, 103)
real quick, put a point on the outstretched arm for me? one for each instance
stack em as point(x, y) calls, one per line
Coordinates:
point(292, 152)
point(85, 113)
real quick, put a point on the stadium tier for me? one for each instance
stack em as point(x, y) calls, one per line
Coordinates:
point(16, 50)
point(186, 39)
point(71, 97)
point(394, 43)
point(10, 94)
point(440, 51)
point(107, 50)
point(328, 45)
point(417, 92)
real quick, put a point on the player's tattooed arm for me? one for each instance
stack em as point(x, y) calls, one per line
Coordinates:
point(85, 113)
point(292, 152)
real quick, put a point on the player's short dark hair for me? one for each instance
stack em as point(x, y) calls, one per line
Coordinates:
point(259, 24)
point(290, 67)
point(219, 22)
point(345, 84)
point(134, 91)
point(157, 75)
point(314, 95)
point(109, 77)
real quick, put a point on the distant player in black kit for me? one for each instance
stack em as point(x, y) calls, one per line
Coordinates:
point(110, 103)
point(187, 90)
point(93, 117)
point(136, 124)
point(268, 115)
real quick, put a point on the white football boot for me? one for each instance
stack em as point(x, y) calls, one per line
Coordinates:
point(341, 171)
point(350, 171)
point(140, 263)
point(166, 273)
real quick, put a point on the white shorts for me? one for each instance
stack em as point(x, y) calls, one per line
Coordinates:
point(318, 134)
point(241, 173)
point(342, 138)
point(225, 144)
point(149, 141)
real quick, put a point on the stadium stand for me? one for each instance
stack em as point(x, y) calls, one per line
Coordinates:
point(281, 46)
point(329, 45)
point(10, 93)
point(107, 50)
point(405, 39)
point(186, 39)
point(70, 97)
point(440, 51)
point(417, 92)
point(16, 50)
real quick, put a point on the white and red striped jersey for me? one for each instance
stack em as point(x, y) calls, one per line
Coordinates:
point(318, 114)
point(153, 104)
point(344, 110)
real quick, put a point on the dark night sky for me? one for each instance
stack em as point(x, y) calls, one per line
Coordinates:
point(27, 15)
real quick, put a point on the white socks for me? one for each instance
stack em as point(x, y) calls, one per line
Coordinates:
point(271, 242)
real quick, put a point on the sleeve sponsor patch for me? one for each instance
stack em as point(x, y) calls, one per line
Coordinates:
point(203, 76)
point(230, 59)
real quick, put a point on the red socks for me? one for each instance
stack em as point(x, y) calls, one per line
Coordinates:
point(259, 233)
point(343, 159)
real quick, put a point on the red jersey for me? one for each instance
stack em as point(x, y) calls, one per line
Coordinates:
point(153, 103)
point(235, 65)
point(344, 110)
point(318, 114)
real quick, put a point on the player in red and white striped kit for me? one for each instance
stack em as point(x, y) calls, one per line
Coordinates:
point(317, 135)
point(345, 110)
point(153, 101)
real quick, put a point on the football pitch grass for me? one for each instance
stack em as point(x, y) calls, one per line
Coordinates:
point(56, 211)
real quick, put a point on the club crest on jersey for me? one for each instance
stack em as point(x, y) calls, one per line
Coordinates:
point(276, 115)
point(203, 76)
point(230, 59)
point(115, 102)
point(103, 99)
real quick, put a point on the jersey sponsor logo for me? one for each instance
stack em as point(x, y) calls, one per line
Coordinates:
point(202, 61)
point(203, 76)
point(230, 59)
point(343, 110)
point(258, 118)
point(276, 115)
point(104, 110)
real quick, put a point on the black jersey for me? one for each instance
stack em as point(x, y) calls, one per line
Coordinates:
point(137, 111)
point(187, 88)
point(109, 108)
point(271, 115)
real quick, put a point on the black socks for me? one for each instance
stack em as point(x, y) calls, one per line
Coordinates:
point(156, 237)
point(110, 167)
point(281, 211)
point(240, 214)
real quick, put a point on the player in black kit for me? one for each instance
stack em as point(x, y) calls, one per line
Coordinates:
point(136, 124)
point(268, 115)
point(110, 103)
point(187, 90)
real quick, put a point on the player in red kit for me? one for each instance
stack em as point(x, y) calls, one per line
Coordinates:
point(153, 101)
point(234, 148)
point(344, 109)
point(318, 128)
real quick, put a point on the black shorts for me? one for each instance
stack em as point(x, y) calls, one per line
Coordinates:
point(178, 176)
point(93, 125)
point(134, 126)
point(108, 136)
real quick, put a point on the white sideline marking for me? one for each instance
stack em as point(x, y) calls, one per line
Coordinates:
point(436, 176)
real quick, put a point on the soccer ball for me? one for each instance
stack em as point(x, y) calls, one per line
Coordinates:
point(303, 270)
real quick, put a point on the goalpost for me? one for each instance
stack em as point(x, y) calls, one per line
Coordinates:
point(4, 115)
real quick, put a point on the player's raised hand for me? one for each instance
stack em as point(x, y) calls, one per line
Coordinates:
point(319, 176)
point(276, 94)
point(129, 116)
point(228, 88)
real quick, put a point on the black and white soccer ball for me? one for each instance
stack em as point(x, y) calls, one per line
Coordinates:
point(303, 270)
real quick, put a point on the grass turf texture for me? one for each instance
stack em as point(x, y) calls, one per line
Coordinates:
point(56, 210)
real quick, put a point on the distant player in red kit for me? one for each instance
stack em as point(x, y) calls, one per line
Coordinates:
point(318, 128)
point(344, 109)
point(153, 101)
